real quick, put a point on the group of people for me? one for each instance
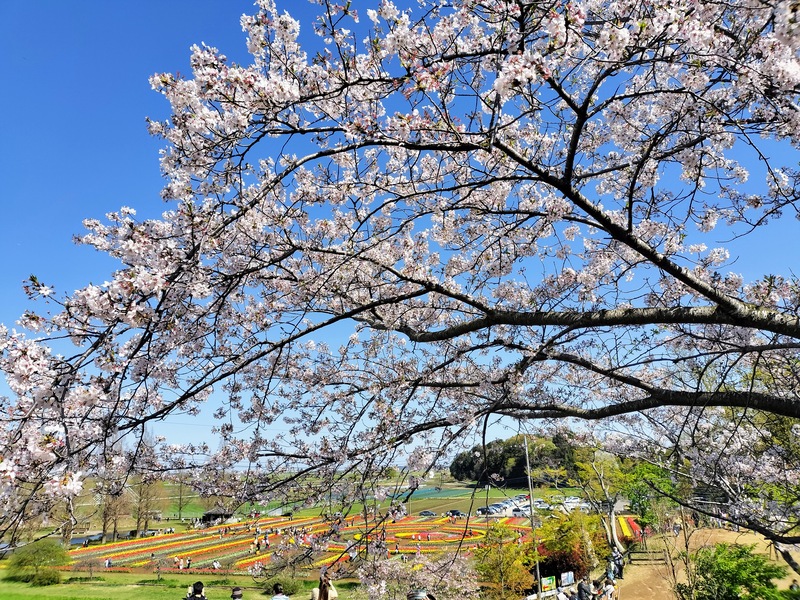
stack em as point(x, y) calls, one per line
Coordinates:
point(324, 591)
point(599, 589)
point(590, 590)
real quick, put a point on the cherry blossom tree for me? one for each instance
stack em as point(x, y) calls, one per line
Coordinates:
point(397, 224)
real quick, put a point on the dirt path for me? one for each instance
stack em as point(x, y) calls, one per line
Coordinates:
point(645, 582)
point(652, 581)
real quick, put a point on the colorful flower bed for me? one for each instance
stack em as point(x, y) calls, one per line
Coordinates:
point(629, 527)
point(409, 535)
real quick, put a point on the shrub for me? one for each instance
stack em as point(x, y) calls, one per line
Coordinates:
point(46, 577)
point(30, 560)
point(554, 562)
point(84, 579)
point(171, 583)
point(730, 572)
point(290, 586)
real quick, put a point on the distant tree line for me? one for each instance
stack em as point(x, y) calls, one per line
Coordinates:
point(552, 461)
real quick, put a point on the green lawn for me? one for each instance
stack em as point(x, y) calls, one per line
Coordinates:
point(115, 588)
point(125, 586)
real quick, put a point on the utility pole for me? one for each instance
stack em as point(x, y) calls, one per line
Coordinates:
point(530, 510)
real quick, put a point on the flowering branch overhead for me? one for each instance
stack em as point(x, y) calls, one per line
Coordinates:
point(382, 235)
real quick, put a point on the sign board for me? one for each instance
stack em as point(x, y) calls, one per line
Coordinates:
point(548, 583)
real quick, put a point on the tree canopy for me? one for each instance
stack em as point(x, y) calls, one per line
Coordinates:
point(28, 562)
point(401, 224)
point(503, 462)
point(731, 572)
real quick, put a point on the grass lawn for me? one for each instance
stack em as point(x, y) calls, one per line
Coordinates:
point(125, 586)
point(130, 586)
point(111, 588)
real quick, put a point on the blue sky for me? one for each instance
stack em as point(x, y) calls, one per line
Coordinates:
point(74, 140)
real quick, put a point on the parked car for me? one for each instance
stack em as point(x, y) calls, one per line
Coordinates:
point(486, 510)
point(456, 513)
point(148, 533)
point(427, 513)
point(521, 511)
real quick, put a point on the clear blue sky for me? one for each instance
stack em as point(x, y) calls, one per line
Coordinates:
point(74, 142)
point(74, 99)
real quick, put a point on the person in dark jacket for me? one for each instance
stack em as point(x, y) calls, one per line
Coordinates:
point(197, 591)
point(584, 589)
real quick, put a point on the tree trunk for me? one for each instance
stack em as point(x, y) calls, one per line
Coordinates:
point(787, 556)
point(66, 532)
point(104, 526)
point(612, 531)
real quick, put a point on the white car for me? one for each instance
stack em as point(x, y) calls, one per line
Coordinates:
point(521, 511)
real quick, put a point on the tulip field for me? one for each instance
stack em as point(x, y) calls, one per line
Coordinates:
point(232, 547)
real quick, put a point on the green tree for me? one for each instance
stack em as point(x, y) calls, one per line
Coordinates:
point(569, 542)
point(730, 572)
point(645, 490)
point(602, 479)
point(36, 561)
point(501, 561)
point(503, 458)
point(565, 453)
point(551, 462)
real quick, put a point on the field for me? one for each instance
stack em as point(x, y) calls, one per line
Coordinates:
point(642, 581)
point(145, 567)
point(232, 546)
point(140, 562)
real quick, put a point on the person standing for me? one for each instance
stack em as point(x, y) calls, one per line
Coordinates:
point(277, 589)
point(585, 589)
point(609, 590)
point(325, 590)
point(197, 591)
point(236, 593)
point(619, 562)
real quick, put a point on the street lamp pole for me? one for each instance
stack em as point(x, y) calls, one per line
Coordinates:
point(530, 511)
